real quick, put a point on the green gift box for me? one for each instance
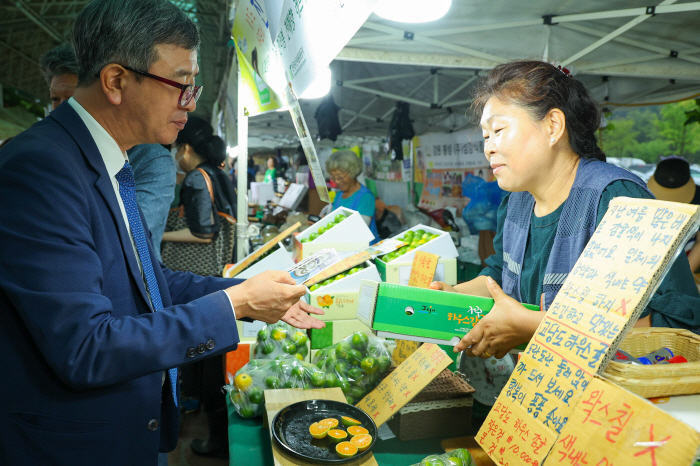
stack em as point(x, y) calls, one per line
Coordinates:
point(419, 314)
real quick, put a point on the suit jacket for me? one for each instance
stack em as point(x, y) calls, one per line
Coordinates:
point(82, 354)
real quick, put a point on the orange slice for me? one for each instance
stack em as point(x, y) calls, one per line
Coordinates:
point(348, 421)
point(318, 430)
point(346, 449)
point(362, 441)
point(357, 430)
point(330, 422)
point(337, 435)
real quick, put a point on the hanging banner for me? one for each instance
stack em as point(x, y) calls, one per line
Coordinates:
point(259, 97)
point(445, 151)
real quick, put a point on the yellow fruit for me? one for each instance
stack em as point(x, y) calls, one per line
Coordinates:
point(329, 300)
point(318, 430)
point(243, 381)
point(279, 334)
point(348, 421)
point(357, 430)
point(321, 300)
point(362, 441)
point(346, 449)
point(330, 422)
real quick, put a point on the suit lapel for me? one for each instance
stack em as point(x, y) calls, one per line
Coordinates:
point(65, 116)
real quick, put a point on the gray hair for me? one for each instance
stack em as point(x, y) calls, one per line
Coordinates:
point(345, 161)
point(126, 32)
point(58, 61)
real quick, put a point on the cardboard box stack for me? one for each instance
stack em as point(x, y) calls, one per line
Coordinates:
point(348, 236)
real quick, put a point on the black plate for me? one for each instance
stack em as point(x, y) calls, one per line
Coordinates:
point(290, 429)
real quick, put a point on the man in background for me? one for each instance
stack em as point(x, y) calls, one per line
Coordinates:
point(153, 166)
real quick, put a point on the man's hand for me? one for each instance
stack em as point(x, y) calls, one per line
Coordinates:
point(508, 325)
point(266, 297)
point(297, 316)
point(441, 286)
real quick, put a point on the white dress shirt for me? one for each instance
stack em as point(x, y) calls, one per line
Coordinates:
point(114, 158)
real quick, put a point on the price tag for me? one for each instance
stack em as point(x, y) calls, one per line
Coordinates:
point(404, 348)
point(399, 388)
point(423, 269)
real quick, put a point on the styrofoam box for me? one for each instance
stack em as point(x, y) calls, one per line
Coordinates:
point(351, 235)
point(442, 246)
point(344, 295)
point(399, 272)
point(281, 259)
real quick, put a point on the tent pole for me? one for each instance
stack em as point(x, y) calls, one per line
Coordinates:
point(413, 172)
point(242, 127)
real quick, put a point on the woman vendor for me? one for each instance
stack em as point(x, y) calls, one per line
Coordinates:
point(343, 167)
point(539, 126)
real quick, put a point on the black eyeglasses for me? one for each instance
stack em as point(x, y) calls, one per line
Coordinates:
point(187, 91)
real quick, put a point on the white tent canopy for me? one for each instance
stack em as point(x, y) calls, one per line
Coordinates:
point(625, 51)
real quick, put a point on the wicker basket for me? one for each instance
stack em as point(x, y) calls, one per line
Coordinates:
point(443, 408)
point(658, 380)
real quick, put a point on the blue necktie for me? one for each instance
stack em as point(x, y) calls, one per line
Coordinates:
point(127, 191)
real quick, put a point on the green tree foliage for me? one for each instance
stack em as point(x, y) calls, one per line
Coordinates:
point(652, 133)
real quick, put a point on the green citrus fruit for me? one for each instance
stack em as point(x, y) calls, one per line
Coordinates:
point(418, 233)
point(355, 373)
point(354, 356)
point(354, 270)
point(313, 236)
point(432, 460)
point(357, 392)
point(279, 333)
point(300, 338)
point(463, 454)
point(290, 348)
point(273, 382)
point(341, 368)
point(454, 461)
point(339, 218)
point(314, 288)
point(384, 363)
point(256, 395)
point(330, 381)
point(247, 412)
point(268, 347)
point(369, 365)
point(321, 230)
point(303, 351)
point(350, 399)
point(360, 340)
point(299, 371)
point(317, 378)
point(305, 240)
point(263, 334)
point(344, 386)
point(349, 421)
point(342, 350)
point(340, 276)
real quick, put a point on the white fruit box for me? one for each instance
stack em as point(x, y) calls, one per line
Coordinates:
point(350, 235)
point(281, 259)
point(339, 300)
point(441, 246)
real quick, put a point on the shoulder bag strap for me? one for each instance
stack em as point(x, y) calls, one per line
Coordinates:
point(207, 180)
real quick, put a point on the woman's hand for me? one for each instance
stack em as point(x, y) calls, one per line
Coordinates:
point(441, 286)
point(508, 325)
point(298, 316)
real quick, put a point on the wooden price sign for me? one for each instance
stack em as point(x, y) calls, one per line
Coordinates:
point(409, 378)
point(610, 285)
point(235, 269)
point(423, 269)
point(342, 266)
point(613, 426)
point(404, 348)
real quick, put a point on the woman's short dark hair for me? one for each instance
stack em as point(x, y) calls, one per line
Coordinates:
point(199, 134)
point(539, 87)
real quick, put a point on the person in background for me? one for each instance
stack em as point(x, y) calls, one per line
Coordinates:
point(198, 147)
point(271, 173)
point(154, 168)
point(343, 168)
point(60, 70)
point(671, 181)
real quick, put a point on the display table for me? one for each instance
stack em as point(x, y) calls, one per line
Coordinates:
point(249, 445)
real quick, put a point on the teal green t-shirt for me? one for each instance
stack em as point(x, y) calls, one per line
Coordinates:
point(676, 303)
point(365, 207)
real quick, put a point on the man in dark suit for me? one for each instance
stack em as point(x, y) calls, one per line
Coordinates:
point(91, 324)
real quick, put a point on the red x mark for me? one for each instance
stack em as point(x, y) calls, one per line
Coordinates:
point(623, 306)
point(392, 407)
point(650, 450)
point(406, 394)
point(376, 414)
point(432, 370)
point(415, 377)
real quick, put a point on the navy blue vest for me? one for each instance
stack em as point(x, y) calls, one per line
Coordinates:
point(576, 226)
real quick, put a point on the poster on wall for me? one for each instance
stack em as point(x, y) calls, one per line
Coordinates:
point(445, 151)
point(379, 165)
point(443, 188)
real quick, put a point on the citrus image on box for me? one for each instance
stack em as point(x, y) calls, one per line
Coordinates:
point(339, 296)
point(419, 314)
point(343, 230)
point(418, 238)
